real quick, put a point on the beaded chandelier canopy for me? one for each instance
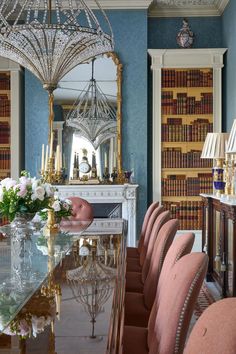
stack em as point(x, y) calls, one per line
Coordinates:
point(49, 38)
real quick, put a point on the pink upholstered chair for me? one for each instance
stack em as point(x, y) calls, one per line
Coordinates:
point(82, 215)
point(135, 251)
point(136, 311)
point(175, 304)
point(135, 280)
point(215, 331)
point(135, 264)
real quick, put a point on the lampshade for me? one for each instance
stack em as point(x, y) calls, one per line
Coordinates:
point(231, 148)
point(215, 146)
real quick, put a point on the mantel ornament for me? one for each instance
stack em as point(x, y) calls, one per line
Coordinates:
point(185, 36)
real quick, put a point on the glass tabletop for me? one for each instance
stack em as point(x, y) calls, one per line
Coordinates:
point(26, 264)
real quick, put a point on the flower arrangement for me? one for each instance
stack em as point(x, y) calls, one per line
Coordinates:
point(39, 312)
point(62, 209)
point(26, 195)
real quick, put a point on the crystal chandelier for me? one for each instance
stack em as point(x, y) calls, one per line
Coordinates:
point(92, 115)
point(51, 37)
point(92, 284)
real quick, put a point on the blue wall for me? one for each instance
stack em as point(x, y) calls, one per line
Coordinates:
point(229, 71)
point(130, 33)
point(162, 32)
point(36, 122)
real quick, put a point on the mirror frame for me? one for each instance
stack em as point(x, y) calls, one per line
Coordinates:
point(119, 70)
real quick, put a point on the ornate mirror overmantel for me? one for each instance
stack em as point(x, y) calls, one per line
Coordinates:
point(91, 89)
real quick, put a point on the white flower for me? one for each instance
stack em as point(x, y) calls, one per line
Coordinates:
point(39, 193)
point(1, 194)
point(56, 205)
point(22, 190)
point(38, 324)
point(25, 180)
point(35, 184)
point(8, 183)
point(50, 190)
point(68, 201)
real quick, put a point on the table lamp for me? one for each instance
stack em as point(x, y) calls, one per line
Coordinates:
point(215, 148)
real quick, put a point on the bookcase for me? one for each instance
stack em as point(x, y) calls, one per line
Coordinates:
point(186, 106)
point(11, 148)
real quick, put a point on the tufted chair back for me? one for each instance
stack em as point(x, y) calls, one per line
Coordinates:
point(147, 216)
point(150, 224)
point(160, 221)
point(161, 246)
point(215, 330)
point(82, 215)
point(181, 246)
point(176, 303)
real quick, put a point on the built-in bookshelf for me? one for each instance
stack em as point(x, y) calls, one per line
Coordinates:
point(186, 106)
point(5, 129)
point(10, 122)
point(186, 118)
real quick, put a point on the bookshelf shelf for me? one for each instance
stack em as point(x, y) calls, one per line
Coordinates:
point(181, 198)
point(189, 90)
point(5, 145)
point(5, 119)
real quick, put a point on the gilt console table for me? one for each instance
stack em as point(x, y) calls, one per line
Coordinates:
point(124, 194)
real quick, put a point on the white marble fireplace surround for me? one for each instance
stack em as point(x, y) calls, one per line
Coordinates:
point(125, 194)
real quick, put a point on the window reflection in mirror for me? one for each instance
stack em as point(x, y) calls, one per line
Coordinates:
point(74, 141)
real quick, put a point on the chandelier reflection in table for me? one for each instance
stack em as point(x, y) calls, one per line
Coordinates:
point(96, 257)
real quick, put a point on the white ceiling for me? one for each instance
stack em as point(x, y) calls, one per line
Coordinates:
point(176, 8)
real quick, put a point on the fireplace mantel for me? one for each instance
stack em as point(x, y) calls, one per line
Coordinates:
point(125, 194)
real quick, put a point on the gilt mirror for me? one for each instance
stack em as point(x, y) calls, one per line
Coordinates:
point(88, 120)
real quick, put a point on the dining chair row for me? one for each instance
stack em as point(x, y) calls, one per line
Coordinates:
point(162, 285)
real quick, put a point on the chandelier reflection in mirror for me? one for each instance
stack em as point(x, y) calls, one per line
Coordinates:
point(92, 115)
point(49, 38)
point(92, 283)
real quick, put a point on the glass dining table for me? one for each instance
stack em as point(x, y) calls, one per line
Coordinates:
point(64, 293)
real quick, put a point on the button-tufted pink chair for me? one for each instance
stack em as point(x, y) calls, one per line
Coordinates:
point(175, 304)
point(135, 264)
point(215, 331)
point(138, 305)
point(135, 251)
point(82, 215)
point(135, 280)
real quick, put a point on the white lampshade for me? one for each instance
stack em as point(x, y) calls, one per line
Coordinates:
point(231, 148)
point(215, 146)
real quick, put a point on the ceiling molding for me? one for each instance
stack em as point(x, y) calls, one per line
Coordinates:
point(188, 10)
point(120, 4)
point(221, 5)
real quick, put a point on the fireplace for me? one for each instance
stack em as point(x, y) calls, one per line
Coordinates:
point(117, 201)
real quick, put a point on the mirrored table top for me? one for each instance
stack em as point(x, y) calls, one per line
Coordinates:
point(32, 280)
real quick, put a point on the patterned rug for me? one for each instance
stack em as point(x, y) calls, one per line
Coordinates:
point(205, 299)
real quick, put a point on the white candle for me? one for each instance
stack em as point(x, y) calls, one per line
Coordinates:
point(42, 161)
point(51, 145)
point(114, 159)
point(60, 160)
point(58, 157)
point(46, 159)
point(55, 166)
point(105, 162)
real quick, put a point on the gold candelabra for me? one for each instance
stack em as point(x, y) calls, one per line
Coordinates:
point(51, 164)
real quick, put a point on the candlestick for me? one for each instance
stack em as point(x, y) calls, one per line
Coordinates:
point(46, 159)
point(60, 149)
point(57, 167)
point(42, 161)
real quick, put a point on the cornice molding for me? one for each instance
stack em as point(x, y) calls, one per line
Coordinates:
point(120, 4)
point(188, 11)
